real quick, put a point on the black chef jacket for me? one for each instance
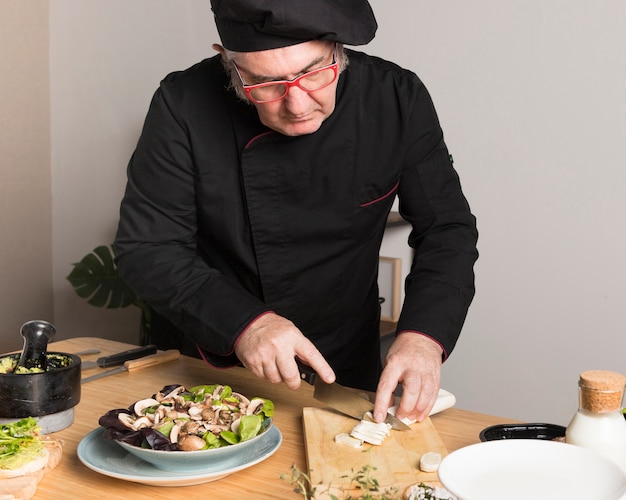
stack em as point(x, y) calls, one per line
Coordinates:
point(224, 219)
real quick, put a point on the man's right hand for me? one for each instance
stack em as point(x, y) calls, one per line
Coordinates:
point(269, 346)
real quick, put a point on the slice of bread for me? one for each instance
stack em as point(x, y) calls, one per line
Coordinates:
point(31, 467)
point(18, 488)
point(21, 483)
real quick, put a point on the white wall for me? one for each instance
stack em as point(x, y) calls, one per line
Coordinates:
point(531, 97)
point(107, 58)
point(25, 199)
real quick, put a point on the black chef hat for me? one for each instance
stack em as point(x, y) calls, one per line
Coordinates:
point(252, 25)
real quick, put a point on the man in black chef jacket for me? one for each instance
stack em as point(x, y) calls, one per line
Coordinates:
point(258, 195)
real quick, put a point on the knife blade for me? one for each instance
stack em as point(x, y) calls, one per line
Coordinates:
point(343, 399)
point(87, 352)
point(137, 364)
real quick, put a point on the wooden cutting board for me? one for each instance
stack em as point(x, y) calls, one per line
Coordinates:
point(396, 460)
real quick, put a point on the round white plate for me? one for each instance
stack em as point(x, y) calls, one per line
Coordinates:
point(523, 469)
point(108, 458)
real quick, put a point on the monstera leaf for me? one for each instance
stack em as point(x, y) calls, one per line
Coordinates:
point(95, 278)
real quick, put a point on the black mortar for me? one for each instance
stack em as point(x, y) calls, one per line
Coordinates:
point(44, 393)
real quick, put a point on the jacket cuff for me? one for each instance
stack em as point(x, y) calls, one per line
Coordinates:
point(229, 360)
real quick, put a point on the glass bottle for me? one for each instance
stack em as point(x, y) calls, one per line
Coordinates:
point(599, 424)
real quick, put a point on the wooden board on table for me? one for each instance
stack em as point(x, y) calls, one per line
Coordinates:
point(396, 460)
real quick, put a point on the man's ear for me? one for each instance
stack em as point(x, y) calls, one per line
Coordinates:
point(220, 49)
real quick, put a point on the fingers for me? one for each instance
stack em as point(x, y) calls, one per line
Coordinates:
point(419, 395)
point(417, 401)
point(288, 372)
point(415, 362)
point(384, 393)
point(269, 346)
point(309, 355)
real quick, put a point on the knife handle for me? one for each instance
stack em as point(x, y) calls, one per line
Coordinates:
point(120, 357)
point(307, 373)
point(152, 360)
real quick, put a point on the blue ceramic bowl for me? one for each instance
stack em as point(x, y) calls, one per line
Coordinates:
point(201, 460)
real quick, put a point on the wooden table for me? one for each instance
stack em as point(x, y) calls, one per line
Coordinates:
point(71, 479)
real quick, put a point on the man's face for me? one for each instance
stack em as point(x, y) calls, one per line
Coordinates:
point(299, 112)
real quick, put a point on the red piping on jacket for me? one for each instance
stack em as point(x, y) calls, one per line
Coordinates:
point(382, 197)
point(256, 137)
point(208, 362)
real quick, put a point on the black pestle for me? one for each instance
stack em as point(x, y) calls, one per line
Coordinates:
point(37, 334)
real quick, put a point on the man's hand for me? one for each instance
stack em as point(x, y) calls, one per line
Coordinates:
point(269, 346)
point(415, 361)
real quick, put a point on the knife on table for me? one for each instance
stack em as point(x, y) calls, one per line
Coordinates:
point(120, 357)
point(137, 364)
point(343, 399)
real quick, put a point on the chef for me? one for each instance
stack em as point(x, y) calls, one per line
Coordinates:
point(258, 194)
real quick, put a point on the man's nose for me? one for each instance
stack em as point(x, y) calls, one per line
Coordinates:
point(297, 100)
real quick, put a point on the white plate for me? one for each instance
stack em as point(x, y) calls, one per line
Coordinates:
point(523, 469)
point(108, 458)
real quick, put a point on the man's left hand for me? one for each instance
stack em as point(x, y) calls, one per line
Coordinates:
point(415, 361)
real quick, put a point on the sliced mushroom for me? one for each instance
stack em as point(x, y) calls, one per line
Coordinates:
point(195, 412)
point(209, 414)
point(175, 432)
point(191, 427)
point(244, 400)
point(172, 394)
point(160, 412)
point(142, 422)
point(234, 426)
point(169, 396)
point(255, 406)
point(215, 428)
point(127, 419)
point(190, 442)
point(140, 406)
point(175, 414)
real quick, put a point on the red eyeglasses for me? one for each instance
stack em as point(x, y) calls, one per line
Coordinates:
point(317, 79)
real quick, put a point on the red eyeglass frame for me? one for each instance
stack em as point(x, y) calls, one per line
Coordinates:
point(289, 83)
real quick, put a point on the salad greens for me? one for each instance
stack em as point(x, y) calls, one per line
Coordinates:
point(214, 413)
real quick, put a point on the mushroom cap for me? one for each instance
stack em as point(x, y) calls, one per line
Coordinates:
point(141, 405)
point(190, 442)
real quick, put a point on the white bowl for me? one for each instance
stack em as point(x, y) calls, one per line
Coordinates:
point(524, 469)
point(198, 461)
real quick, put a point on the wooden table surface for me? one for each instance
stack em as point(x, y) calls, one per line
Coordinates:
point(72, 479)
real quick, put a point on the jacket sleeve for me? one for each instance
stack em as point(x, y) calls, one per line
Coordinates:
point(155, 245)
point(440, 285)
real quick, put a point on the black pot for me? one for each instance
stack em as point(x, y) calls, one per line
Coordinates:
point(45, 393)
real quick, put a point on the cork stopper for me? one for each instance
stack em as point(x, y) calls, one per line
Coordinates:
point(601, 391)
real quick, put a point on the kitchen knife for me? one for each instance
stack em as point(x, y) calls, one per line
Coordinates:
point(120, 357)
point(137, 364)
point(343, 399)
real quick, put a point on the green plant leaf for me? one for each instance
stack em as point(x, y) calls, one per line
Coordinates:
point(95, 278)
